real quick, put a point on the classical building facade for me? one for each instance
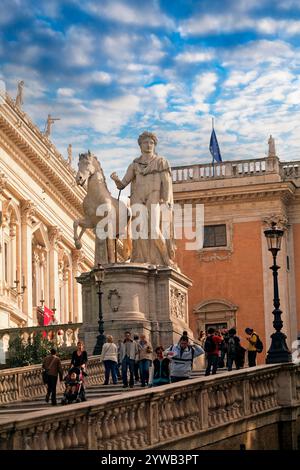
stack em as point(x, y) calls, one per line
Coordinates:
point(232, 282)
point(39, 200)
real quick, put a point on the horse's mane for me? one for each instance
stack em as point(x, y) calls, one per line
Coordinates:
point(96, 165)
point(99, 168)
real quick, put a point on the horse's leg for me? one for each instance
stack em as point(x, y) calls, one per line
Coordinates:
point(84, 224)
point(75, 227)
point(110, 250)
point(123, 229)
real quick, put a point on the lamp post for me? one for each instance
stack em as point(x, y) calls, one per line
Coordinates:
point(99, 277)
point(278, 351)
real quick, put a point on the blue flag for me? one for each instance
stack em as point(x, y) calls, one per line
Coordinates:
point(214, 147)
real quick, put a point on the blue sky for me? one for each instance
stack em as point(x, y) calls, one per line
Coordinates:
point(111, 69)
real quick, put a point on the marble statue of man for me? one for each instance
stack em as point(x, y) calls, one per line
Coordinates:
point(151, 186)
point(19, 98)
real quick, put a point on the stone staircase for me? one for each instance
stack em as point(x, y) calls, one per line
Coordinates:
point(92, 392)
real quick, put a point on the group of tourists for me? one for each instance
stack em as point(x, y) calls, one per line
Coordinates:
point(134, 361)
point(140, 364)
point(224, 345)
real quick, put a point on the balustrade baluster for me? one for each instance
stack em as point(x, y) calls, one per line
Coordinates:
point(51, 436)
point(59, 437)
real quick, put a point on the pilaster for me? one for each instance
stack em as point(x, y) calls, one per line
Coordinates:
point(27, 212)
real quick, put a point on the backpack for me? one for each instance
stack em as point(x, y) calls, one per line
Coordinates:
point(231, 346)
point(209, 345)
point(259, 345)
point(190, 348)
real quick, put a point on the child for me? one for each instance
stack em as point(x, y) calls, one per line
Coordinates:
point(71, 383)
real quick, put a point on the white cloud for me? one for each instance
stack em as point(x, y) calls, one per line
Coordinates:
point(239, 78)
point(101, 77)
point(65, 92)
point(235, 22)
point(204, 85)
point(79, 48)
point(147, 14)
point(193, 56)
point(254, 53)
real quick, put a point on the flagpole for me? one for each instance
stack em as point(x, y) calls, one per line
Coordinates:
point(213, 165)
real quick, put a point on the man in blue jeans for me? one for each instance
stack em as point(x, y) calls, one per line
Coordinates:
point(128, 355)
point(211, 347)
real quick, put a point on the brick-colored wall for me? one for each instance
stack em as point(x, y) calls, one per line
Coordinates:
point(238, 279)
point(296, 236)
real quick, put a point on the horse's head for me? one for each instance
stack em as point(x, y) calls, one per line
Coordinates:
point(86, 167)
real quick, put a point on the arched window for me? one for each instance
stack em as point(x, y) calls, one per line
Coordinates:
point(217, 313)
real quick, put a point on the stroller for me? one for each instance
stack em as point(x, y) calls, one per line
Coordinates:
point(74, 383)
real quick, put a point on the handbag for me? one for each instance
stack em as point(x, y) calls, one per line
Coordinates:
point(45, 377)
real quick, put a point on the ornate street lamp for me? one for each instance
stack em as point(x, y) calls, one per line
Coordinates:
point(99, 277)
point(278, 351)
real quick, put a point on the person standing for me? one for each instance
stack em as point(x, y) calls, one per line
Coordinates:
point(182, 356)
point(136, 362)
point(145, 359)
point(109, 356)
point(52, 365)
point(252, 340)
point(235, 352)
point(211, 347)
point(161, 369)
point(79, 357)
point(128, 354)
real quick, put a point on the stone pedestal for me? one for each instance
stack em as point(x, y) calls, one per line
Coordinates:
point(136, 297)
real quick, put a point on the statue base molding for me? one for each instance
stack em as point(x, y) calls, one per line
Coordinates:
point(141, 298)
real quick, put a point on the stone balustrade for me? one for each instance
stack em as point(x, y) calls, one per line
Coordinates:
point(290, 169)
point(65, 335)
point(193, 414)
point(25, 383)
point(236, 169)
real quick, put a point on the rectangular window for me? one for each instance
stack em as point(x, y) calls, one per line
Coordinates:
point(214, 235)
point(216, 326)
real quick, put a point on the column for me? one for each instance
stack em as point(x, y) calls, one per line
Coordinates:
point(54, 234)
point(77, 301)
point(3, 182)
point(27, 212)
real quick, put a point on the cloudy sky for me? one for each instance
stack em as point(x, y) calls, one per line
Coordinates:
point(110, 69)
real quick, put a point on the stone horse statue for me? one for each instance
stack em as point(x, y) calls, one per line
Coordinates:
point(90, 171)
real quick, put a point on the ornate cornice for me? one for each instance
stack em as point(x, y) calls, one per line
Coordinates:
point(38, 152)
point(284, 191)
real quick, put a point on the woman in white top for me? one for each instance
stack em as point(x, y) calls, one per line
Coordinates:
point(109, 356)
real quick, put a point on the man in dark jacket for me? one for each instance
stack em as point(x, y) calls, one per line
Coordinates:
point(52, 365)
